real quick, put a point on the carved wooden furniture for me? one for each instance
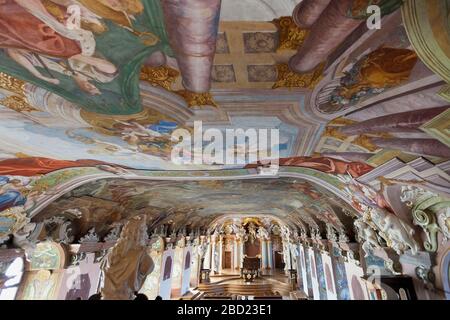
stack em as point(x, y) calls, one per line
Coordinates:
point(251, 268)
point(204, 276)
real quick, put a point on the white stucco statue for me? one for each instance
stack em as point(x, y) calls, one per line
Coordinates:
point(397, 233)
point(263, 234)
point(368, 235)
point(21, 239)
point(285, 232)
point(295, 252)
point(201, 250)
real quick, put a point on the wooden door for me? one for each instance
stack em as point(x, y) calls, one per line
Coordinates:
point(279, 264)
point(227, 261)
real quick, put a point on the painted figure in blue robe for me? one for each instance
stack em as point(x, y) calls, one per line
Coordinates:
point(163, 127)
point(9, 195)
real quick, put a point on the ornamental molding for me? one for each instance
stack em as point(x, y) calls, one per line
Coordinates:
point(430, 211)
point(90, 237)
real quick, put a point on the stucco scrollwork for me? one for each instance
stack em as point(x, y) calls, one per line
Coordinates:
point(430, 211)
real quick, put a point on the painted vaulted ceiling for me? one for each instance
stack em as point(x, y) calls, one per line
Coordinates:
point(195, 204)
point(101, 85)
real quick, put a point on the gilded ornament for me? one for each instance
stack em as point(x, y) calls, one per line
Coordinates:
point(197, 99)
point(18, 104)
point(162, 76)
point(291, 36)
point(365, 142)
point(12, 84)
point(290, 79)
point(333, 132)
point(341, 121)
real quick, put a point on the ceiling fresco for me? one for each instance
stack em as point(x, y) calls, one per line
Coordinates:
point(89, 52)
point(91, 92)
point(198, 203)
point(112, 80)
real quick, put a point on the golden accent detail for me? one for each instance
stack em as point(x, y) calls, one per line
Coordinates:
point(13, 219)
point(341, 122)
point(21, 155)
point(165, 77)
point(105, 123)
point(19, 104)
point(255, 221)
point(334, 132)
point(162, 76)
point(365, 142)
point(290, 79)
point(17, 101)
point(291, 36)
point(197, 99)
point(12, 84)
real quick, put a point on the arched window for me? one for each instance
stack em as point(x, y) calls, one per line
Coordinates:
point(167, 268)
point(13, 276)
point(187, 261)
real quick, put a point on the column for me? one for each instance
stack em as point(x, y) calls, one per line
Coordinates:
point(235, 254)
point(213, 255)
point(429, 147)
point(400, 122)
point(220, 254)
point(207, 261)
point(287, 256)
point(327, 33)
point(241, 253)
point(263, 254)
point(269, 254)
point(308, 11)
point(192, 26)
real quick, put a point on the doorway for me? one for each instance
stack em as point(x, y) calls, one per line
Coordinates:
point(227, 260)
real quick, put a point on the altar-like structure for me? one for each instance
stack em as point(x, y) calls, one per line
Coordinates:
point(251, 268)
